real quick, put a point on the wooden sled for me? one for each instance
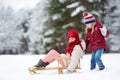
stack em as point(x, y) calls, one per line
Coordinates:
point(33, 70)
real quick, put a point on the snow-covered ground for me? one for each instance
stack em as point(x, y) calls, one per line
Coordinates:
point(15, 67)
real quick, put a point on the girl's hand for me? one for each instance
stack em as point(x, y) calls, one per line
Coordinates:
point(67, 54)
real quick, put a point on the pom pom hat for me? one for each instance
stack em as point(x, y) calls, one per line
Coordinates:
point(88, 18)
point(73, 33)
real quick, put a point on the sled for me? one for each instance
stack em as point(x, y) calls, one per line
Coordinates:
point(33, 70)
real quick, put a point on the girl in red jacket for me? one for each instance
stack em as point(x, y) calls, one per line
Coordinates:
point(95, 39)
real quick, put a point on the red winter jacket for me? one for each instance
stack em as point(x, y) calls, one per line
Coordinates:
point(95, 40)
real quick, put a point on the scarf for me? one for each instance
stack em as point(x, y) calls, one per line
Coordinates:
point(71, 45)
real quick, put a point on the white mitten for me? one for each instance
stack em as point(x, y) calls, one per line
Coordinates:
point(103, 31)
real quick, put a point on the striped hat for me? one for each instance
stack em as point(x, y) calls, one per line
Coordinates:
point(88, 18)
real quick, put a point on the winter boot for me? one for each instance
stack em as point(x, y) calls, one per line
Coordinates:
point(41, 64)
point(102, 68)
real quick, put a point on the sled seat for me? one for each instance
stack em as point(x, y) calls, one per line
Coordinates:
point(60, 68)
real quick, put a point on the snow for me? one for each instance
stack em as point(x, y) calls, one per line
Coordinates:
point(112, 22)
point(38, 17)
point(56, 16)
point(73, 5)
point(93, 0)
point(77, 7)
point(20, 4)
point(8, 23)
point(67, 25)
point(77, 10)
point(15, 67)
point(62, 1)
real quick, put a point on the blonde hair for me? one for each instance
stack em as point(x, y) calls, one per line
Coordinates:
point(92, 27)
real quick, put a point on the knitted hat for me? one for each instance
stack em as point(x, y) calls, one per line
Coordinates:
point(73, 33)
point(71, 45)
point(88, 18)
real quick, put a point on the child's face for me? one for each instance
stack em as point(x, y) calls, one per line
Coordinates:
point(71, 39)
point(89, 25)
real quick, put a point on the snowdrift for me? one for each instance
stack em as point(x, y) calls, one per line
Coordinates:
point(15, 67)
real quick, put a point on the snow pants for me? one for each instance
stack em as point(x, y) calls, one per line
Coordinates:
point(51, 56)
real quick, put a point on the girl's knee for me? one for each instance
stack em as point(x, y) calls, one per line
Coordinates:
point(97, 58)
point(54, 52)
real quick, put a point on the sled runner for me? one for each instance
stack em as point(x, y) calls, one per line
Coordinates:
point(60, 68)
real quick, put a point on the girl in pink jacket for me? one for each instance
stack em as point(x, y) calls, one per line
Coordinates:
point(75, 50)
